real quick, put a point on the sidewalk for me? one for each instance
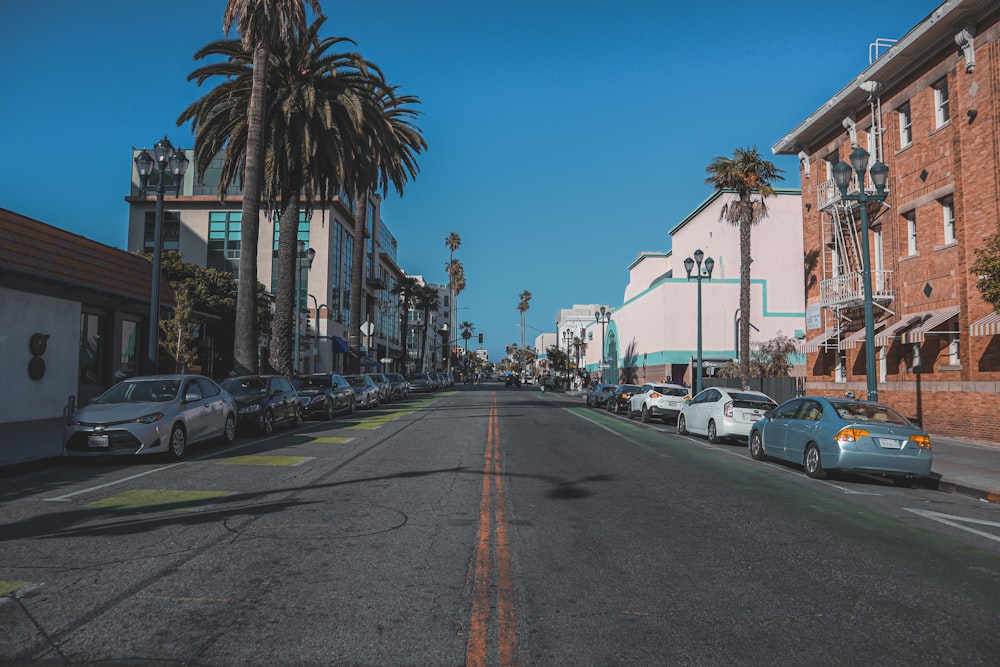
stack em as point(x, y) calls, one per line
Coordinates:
point(968, 468)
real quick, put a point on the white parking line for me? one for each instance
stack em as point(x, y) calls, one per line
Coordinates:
point(953, 521)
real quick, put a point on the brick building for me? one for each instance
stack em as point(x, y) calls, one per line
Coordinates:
point(927, 107)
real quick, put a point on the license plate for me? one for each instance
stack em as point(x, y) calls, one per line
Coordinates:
point(887, 443)
point(98, 440)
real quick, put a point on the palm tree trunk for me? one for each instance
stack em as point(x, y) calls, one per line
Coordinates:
point(359, 295)
point(745, 260)
point(286, 316)
point(245, 351)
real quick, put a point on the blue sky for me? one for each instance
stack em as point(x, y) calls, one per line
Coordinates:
point(564, 137)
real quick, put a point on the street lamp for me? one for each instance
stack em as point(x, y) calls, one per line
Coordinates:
point(175, 161)
point(318, 357)
point(602, 317)
point(842, 176)
point(689, 265)
point(303, 257)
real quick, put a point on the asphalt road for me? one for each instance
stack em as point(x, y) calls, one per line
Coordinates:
point(489, 525)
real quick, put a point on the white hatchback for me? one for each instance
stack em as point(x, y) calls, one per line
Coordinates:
point(722, 412)
point(657, 399)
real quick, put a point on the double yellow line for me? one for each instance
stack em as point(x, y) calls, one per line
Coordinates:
point(492, 521)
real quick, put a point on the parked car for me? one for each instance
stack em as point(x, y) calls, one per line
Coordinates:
point(598, 394)
point(384, 387)
point(400, 388)
point(721, 412)
point(324, 395)
point(159, 414)
point(264, 401)
point(512, 380)
point(657, 399)
point(365, 391)
point(421, 382)
point(826, 434)
point(618, 402)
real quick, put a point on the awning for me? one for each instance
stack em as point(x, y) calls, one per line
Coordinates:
point(988, 326)
point(817, 342)
point(340, 345)
point(858, 337)
point(896, 330)
point(934, 318)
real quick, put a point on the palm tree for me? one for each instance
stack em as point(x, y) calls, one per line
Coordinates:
point(313, 125)
point(426, 300)
point(406, 291)
point(748, 176)
point(523, 305)
point(467, 329)
point(454, 242)
point(264, 26)
point(384, 154)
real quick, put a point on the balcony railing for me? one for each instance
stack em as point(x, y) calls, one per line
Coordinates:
point(828, 194)
point(848, 290)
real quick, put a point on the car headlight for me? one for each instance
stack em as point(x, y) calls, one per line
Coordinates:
point(149, 419)
point(318, 398)
point(250, 408)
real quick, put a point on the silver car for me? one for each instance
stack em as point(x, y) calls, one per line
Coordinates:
point(721, 412)
point(160, 414)
point(366, 394)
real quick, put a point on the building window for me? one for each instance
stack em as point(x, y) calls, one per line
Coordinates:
point(948, 217)
point(301, 235)
point(952, 349)
point(941, 112)
point(224, 234)
point(879, 260)
point(840, 373)
point(905, 126)
point(128, 361)
point(911, 233)
point(883, 363)
point(90, 348)
point(171, 233)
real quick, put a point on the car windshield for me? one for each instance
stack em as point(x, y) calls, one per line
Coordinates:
point(671, 391)
point(313, 383)
point(419, 376)
point(245, 386)
point(871, 412)
point(356, 380)
point(141, 391)
point(755, 401)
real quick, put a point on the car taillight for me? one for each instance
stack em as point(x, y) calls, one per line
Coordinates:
point(850, 434)
point(728, 410)
point(922, 441)
point(654, 394)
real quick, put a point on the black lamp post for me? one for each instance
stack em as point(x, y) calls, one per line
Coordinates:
point(603, 316)
point(303, 258)
point(689, 265)
point(567, 338)
point(168, 159)
point(842, 176)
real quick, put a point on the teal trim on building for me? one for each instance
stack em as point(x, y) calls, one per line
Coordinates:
point(731, 281)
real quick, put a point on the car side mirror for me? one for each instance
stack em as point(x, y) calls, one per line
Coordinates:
point(687, 400)
point(192, 395)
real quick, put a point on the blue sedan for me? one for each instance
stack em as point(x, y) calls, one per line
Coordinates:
point(824, 434)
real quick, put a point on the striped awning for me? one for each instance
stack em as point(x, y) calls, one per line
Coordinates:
point(934, 319)
point(898, 328)
point(814, 344)
point(988, 326)
point(858, 337)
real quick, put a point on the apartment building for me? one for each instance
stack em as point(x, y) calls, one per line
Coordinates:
point(926, 106)
point(207, 232)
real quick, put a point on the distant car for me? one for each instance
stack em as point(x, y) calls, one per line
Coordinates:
point(365, 391)
point(398, 384)
point(384, 387)
point(825, 434)
point(657, 399)
point(512, 380)
point(421, 382)
point(721, 412)
point(598, 394)
point(156, 414)
point(324, 395)
point(620, 398)
point(264, 401)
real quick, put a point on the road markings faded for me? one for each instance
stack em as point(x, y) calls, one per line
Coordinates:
point(265, 460)
point(957, 521)
point(492, 519)
point(157, 499)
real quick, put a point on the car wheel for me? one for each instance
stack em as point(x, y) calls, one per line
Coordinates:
point(329, 410)
point(644, 415)
point(229, 430)
point(178, 442)
point(813, 463)
point(682, 425)
point(267, 423)
point(757, 447)
point(713, 436)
